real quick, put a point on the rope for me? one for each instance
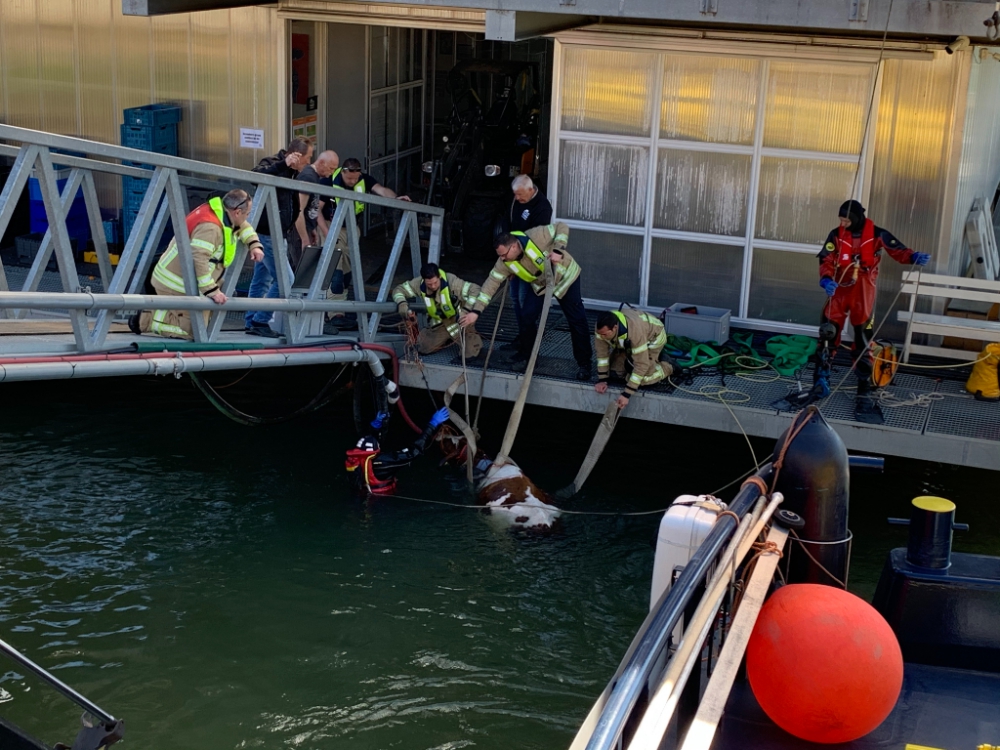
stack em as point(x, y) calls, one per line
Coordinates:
point(923, 400)
point(802, 544)
point(486, 361)
point(317, 402)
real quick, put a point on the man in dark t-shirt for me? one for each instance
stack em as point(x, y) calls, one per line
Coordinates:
point(309, 224)
point(528, 209)
point(349, 177)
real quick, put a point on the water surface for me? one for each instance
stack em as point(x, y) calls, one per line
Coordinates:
point(219, 587)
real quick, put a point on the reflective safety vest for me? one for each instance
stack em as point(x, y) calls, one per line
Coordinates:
point(533, 254)
point(214, 213)
point(447, 307)
point(359, 207)
point(851, 248)
point(622, 330)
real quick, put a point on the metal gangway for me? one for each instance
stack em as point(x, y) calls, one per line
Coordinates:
point(166, 200)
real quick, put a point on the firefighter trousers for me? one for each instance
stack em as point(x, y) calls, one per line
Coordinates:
point(437, 337)
point(171, 324)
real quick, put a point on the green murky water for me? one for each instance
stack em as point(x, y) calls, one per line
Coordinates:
point(219, 587)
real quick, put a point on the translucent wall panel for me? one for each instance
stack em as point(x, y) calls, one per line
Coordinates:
point(57, 85)
point(18, 25)
point(383, 125)
point(695, 272)
point(784, 286)
point(211, 116)
point(909, 169)
point(798, 199)
point(817, 106)
point(710, 99)
point(596, 252)
point(607, 91)
point(700, 191)
point(171, 72)
point(603, 182)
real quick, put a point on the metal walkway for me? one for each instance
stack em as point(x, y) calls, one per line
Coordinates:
point(953, 428)
point(166, 201)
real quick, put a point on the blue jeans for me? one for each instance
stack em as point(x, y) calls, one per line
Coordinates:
point(264, 283)
point(518, 291)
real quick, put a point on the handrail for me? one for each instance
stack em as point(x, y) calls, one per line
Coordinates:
point(165, 203)
point(56, 683)
point(92, 301)
point(123, 153)
point(636, 672)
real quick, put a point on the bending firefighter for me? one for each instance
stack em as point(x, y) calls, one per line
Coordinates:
point(445, 296)
point(523, 254)
point(630, 340)
point(848, 269)
point(373, 470)
point(214, 228)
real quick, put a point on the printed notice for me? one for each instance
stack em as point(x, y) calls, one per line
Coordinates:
point(250, 138)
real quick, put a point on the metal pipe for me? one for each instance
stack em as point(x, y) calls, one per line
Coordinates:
point(56, 683)
point(633, 677)
point(866, 463)
point(91, 301)
point(176, 365)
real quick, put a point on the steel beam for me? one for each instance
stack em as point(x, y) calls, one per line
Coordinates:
point(166, 7)
point(939, 19)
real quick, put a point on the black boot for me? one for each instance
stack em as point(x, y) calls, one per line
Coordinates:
point(866, 406)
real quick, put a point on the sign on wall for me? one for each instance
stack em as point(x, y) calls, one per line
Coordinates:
point(251, 138)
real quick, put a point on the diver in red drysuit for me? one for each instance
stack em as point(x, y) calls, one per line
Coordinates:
point(848, 270)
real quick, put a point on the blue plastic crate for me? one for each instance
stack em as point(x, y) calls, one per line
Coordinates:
point(162, 139)
point(111, 231)
point(134, 186)
point(153, 115)
point(35, 187)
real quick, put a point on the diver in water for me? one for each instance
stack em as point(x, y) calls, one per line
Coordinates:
point(373, 470)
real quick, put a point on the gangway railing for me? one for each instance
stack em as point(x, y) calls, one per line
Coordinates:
point(166, 200)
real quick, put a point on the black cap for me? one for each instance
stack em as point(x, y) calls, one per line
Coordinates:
point(854, 211)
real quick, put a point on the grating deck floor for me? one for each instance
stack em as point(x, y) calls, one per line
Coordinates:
point(935, 403)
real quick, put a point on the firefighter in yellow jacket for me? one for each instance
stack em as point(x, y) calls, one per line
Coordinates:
point(214, 228)
point(523, 254)
point(445, 296)
point(630, 337)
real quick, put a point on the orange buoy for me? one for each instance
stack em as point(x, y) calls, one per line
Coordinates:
point(823, 664)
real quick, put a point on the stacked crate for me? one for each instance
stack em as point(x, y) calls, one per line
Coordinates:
point(150, 128)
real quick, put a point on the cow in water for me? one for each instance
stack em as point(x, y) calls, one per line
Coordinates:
point(505, 492)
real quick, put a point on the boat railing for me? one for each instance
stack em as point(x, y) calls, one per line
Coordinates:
point(166, 200)
point(108, 723)
point(661, 672)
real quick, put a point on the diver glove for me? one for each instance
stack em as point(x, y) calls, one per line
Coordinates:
point(920, 259)
point(440, 417)
point(829, 285)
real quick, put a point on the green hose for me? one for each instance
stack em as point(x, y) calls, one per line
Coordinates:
point(791, 353)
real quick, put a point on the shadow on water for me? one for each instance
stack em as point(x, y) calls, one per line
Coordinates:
point(219, 587)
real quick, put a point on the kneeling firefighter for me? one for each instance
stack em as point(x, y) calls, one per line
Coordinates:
point(373, 470)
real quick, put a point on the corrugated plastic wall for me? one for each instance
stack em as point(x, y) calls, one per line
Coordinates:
point(979, 170)
point(71, 66)
point(910, 166)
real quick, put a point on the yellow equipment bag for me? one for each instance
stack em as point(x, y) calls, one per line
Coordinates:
point(885, 361)
point(984, 382)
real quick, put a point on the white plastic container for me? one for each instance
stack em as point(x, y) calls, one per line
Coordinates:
point(682, 530)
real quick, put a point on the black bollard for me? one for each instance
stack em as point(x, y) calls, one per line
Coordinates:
point(931, 523)
point(815, 480)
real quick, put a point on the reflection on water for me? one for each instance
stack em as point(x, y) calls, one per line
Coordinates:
point(218, 587)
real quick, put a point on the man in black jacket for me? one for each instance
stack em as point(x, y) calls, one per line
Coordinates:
point(286, 163)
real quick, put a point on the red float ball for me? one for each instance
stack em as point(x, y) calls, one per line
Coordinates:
point(823, 664)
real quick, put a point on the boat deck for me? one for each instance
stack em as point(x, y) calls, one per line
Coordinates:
point(946, 425)
point(938, 707)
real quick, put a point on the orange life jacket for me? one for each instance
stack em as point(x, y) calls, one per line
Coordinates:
point(204, 213)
